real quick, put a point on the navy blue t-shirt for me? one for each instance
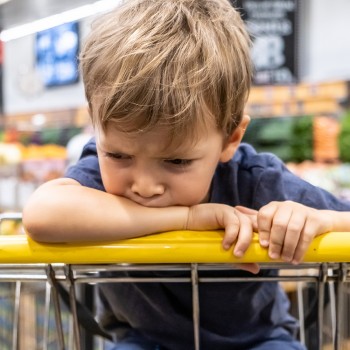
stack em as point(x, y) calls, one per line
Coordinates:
point(232, 315)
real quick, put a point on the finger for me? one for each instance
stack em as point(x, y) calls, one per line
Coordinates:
point(293, 233)
point(264, 219)
point(244, 236)
point(252, 215)
point(231, 232)
point(245, 210)
point(250, 267)
point(306, 237)
point(278, 231)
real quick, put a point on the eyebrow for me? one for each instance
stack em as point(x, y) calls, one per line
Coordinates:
point(166, 154)
point(183, 153)
point(105, 147)
point(170, 151)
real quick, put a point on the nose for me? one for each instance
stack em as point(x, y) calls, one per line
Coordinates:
point(146, 185)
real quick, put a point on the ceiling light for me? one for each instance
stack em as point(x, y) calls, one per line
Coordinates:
point(55, 20)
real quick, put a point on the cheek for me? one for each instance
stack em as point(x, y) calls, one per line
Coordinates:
point(113, 180)
point(192, 190)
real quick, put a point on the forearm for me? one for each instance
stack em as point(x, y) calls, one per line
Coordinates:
point(67, 213)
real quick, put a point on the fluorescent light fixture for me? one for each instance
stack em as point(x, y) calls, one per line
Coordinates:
point(55, 20)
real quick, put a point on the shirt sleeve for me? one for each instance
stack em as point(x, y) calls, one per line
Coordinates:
point(87, 170)
point(276, 183)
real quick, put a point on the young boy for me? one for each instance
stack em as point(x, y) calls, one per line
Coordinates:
point(166, 82)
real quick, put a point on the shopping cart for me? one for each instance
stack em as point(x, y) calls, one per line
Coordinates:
point(24, 262)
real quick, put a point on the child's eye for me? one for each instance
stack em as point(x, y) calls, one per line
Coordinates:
point(118, 156)
point(179, 162)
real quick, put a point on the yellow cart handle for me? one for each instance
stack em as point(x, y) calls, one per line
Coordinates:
point(167, 247)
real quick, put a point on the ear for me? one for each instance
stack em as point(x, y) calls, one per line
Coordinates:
point(234, 140)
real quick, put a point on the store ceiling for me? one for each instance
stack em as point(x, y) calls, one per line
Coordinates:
point(16, 12)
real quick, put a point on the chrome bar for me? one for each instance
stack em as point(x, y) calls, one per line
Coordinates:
point(10, 216)
point(16, 315)
point(300, 301)
point(321, 298)
point(195, 305)
point(73, 305)
point(55, 298)
point(333, 307)
point(340, 305)
point(46, 314)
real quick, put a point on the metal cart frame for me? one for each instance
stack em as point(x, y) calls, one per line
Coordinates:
point(23, 260)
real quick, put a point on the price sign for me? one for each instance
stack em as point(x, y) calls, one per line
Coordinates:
point(272, 25)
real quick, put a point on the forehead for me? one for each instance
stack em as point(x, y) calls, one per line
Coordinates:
point(187, 127)
point(161, 140)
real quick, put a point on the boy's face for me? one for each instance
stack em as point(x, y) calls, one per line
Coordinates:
point(143, 169)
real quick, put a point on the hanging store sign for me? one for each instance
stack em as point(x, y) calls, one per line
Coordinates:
point(1, 77)
point(273, 28)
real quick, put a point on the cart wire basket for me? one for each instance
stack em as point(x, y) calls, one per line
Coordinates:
point(44, 286)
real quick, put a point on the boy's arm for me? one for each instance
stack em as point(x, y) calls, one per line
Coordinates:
point(64, 211)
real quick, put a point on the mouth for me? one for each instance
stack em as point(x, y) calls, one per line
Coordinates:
point(152, 202)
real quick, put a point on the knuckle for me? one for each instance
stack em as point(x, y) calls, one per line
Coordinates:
point(279, 225)
point(234, 225)
point(288, 246)
point(264, 234)
point(264, 212)
point(307, 238)
point(294, 228)
point(276, 243)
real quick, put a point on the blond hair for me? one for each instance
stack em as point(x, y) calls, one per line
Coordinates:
point(173, 63)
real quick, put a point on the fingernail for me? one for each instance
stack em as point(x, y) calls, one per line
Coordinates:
point(226, 246)
point(264, 243)
point(286, 258)
point(238, 253)
point(274, 255)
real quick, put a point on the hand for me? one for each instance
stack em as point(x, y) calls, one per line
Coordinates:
point(287, 228)
point(238, 227)
point(209, 216)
